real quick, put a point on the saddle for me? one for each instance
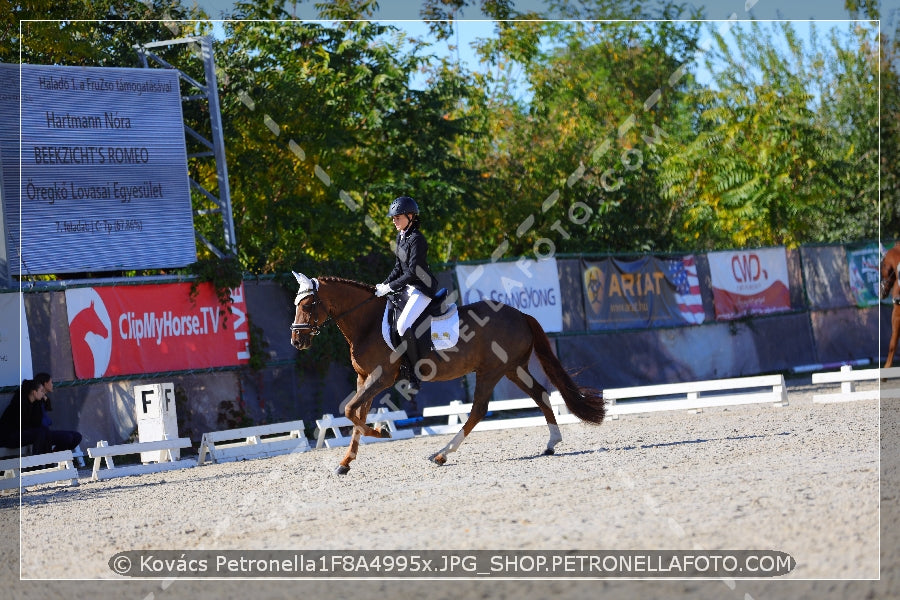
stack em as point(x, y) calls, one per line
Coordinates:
point(435, 308)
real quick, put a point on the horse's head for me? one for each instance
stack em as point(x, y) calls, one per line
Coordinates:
point(309, 314)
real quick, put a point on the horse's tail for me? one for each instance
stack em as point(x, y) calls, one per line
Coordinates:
point(585, 403)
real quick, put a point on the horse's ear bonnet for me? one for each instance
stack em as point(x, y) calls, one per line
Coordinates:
point(307, 286)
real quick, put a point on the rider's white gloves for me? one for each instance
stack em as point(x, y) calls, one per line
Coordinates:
point(382, 289)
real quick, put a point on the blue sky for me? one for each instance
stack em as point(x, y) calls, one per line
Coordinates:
point(460, 46)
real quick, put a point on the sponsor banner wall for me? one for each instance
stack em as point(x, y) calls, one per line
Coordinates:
point(15, 344)
point(154, 328)
point(749, 282)
point(528, 285)
point(863, 271)
point(646, 292)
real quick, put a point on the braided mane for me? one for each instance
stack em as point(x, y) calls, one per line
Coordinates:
point(357, 284)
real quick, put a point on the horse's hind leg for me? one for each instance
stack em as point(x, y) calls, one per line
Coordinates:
point(528, 384)
point(484, 385)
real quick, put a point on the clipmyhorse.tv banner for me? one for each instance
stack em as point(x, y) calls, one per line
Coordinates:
point(154, 328)
point(531, 286)
point(645, 292)
point(749, 282)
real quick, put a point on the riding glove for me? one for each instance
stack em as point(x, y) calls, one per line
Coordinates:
point(382, 289)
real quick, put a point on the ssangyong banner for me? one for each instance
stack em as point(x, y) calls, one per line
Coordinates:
point(531, 286)
point(104, 181)
point(639, 293)
point(749, 282)
point(129, 330)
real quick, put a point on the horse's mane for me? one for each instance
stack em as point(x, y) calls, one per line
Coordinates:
point(363, 286)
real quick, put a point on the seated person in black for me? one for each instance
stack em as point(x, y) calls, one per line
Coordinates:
point(28, 404)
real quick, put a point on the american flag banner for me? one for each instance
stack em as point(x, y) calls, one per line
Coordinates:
point(683, 273)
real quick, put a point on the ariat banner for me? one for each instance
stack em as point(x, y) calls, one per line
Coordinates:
point(640, 293)
point(154, 328)
point(749, 282)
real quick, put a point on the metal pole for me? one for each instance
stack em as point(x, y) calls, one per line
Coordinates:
point(215, 117)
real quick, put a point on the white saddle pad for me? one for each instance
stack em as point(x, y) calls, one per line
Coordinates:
point(444, 329)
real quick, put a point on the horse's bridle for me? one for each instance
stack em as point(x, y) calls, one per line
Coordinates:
point(315, 328)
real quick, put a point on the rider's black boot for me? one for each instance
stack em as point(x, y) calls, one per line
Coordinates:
point(412, 355)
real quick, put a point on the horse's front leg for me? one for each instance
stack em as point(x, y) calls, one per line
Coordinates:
point(357, 410)
point(895, 333)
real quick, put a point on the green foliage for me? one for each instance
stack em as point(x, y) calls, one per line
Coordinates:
point(224, 274)
point(89, 32)
point(579, 136)
point(784, 151)
point(324, 132)
point(573, 168)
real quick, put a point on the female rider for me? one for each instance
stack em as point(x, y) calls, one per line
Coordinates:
point(411, 280)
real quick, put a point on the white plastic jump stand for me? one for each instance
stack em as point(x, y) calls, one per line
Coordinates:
point(162, 449)
point(847, 377)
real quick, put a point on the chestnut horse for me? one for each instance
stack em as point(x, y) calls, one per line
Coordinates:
point(495, 340)
point(889, 266)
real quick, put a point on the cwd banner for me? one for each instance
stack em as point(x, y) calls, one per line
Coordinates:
point(154, 328)
point(749, 282)
point(528, 285)
point(15, 345)
point(645, 292)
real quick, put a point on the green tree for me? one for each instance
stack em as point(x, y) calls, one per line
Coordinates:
point(324, 131)
point(571, 167)
point(783, 151)
point(889, 75)
point(88, 32)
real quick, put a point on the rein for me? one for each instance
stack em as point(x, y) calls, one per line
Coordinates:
point(315, 328)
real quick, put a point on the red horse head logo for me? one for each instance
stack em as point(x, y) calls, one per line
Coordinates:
point(91, 340)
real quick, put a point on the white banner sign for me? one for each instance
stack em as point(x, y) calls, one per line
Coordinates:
point(530, 286)
point(749, 282)
point(13, 331)
point(104, 182)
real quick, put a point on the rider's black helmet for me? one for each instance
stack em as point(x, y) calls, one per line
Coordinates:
point(403, 205)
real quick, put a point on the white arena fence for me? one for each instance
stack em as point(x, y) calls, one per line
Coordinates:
point(281, 438)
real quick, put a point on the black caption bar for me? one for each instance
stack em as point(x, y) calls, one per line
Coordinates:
point(453, 563)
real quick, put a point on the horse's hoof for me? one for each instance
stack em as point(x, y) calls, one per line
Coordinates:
point(384, 432)
point(549, 452)
point(341, 470)
point(439, 459)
